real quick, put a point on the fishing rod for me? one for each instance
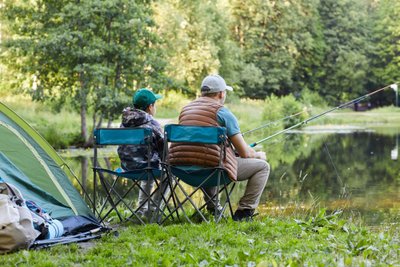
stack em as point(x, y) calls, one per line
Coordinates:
point(274, 122)
point(321, 114)
point(91, 234)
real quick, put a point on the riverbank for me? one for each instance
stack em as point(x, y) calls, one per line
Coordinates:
point(62, 129)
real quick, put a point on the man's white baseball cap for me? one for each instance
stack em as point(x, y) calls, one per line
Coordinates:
point(214, 83)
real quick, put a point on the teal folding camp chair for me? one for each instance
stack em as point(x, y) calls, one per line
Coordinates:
point(110, 179)
point(198, 177)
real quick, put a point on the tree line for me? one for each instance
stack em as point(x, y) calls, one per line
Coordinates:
point(91, 54)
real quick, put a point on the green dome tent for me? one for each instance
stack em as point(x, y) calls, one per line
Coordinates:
point(32, 165)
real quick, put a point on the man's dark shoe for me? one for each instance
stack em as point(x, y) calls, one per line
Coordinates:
point(243, 215)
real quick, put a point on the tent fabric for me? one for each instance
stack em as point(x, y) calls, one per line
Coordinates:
point(29, 162)
point(28, 189)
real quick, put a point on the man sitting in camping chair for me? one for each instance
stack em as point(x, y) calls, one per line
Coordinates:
point(134, 157)
point(209, 110)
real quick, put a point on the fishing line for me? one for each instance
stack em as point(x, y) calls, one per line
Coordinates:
point(278, 141)
point(321, 114)
point(333, 164)
point(343, 191)
point(274, 122)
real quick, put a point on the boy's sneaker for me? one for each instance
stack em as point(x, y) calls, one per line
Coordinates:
point(217, 209)
point(243, 215)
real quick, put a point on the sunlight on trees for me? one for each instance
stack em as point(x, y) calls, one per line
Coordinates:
point(92, 55)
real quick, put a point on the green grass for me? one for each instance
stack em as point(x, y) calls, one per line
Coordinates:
point(321, 240)
point(379, 117)
point(171, 104)
point(248, 112)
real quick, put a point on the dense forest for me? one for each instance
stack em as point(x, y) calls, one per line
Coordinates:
point(91, 54)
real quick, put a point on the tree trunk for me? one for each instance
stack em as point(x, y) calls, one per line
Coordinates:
point(84, 134)
point(84, 172)
point(83, 111)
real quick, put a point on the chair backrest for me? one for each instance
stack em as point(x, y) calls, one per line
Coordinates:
point(191, 172)
point(195, 134)
point(122, 136)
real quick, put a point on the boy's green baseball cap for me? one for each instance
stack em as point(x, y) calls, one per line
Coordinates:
point(144, 97)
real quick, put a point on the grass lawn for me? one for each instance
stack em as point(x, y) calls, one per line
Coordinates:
point(322, 240)
point(375, 118)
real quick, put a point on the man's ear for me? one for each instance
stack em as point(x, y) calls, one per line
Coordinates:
point(221, 94)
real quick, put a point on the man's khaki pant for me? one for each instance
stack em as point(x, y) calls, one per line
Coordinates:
point(256, 171)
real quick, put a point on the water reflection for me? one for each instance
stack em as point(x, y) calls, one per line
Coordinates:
point(357, 172)
point(395, 151)
point(354, 172)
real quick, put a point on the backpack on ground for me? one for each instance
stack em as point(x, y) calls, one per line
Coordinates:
point(16, 226)
point(48, 227)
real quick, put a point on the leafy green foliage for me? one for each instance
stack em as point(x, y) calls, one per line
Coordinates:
point(277, 40)
point(385, 55)
point(92, 55)
point(196, 41)
point(285, 111)
point(90, 52)
point(171, 104)
point(322, 221)
point(345, 61)
point(312, 99)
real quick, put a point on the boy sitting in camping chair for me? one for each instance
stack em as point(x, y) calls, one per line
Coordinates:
point(136, 157)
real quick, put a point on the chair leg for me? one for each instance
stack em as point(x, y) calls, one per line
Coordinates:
point(229, 197)
point(215, 198)
point(108, 192)
point(217, 217)
point(172, 187)
point(149, 200)
point(103, 183)
point(172, 184)
point(161, 202)
point(187, 198)
point(93, 201)
point(120, 199)
point(228, 203)
point(178, 204)
point(165, 188)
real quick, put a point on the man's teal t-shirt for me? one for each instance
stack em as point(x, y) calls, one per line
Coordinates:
point(225, 118)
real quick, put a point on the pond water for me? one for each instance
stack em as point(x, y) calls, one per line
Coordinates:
point(355, 171)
